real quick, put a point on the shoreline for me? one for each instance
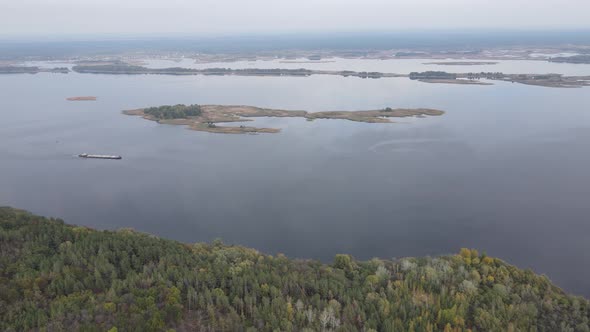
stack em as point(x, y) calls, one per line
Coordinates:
point(545, 80)
point(441, 77)
point(459, 81)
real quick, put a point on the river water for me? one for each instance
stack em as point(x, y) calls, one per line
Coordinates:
point(505, 170)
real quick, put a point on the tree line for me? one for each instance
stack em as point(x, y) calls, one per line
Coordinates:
point(179, 111)
point(55, 276)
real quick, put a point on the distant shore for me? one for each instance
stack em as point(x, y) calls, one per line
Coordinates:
point(122, 68)
point(546, 80)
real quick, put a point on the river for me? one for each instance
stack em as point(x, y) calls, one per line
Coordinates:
point(505, 170)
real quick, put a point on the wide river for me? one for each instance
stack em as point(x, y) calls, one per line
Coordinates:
point(505, 170)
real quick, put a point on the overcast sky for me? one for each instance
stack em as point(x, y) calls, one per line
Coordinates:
point(206, 17)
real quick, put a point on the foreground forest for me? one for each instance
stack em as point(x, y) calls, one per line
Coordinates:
point(55, 276)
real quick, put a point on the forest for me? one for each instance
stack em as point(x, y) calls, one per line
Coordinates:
point(179, 111)
point(116, 67)
point(31, 70)
point(581, 58)
point(56, 276)
point(432, 75)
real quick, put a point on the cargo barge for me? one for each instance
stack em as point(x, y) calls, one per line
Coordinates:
point(98, 156)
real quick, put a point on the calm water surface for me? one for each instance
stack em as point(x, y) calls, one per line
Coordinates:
point(505, 170)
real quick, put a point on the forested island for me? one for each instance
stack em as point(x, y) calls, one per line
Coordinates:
point(122, 68)
point(546, 80)
point(442, 75)
point(461, 63)
point(31, 70)
point(582, 58)
point(173, 111)
point(56, 276)
point(207, 117)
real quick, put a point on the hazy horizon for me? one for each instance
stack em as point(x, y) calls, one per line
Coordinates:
point(233, 17)
point(65, 46)
point(309, 34)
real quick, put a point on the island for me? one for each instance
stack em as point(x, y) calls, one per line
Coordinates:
point(579, 59)
point(306, 61)
point(434, 75)
point(545, 80)
point(548, 80)
point(208, 117)
point(31, 70)
point(56, 276)
point(117, 67)
point(122, 68)
point(81, 98)
point(462, 63)
point(454, 81)
point(445, 78)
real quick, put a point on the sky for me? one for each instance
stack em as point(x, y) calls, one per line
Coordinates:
point(234, 17)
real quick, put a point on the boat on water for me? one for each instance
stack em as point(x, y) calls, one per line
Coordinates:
point(98, 156)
